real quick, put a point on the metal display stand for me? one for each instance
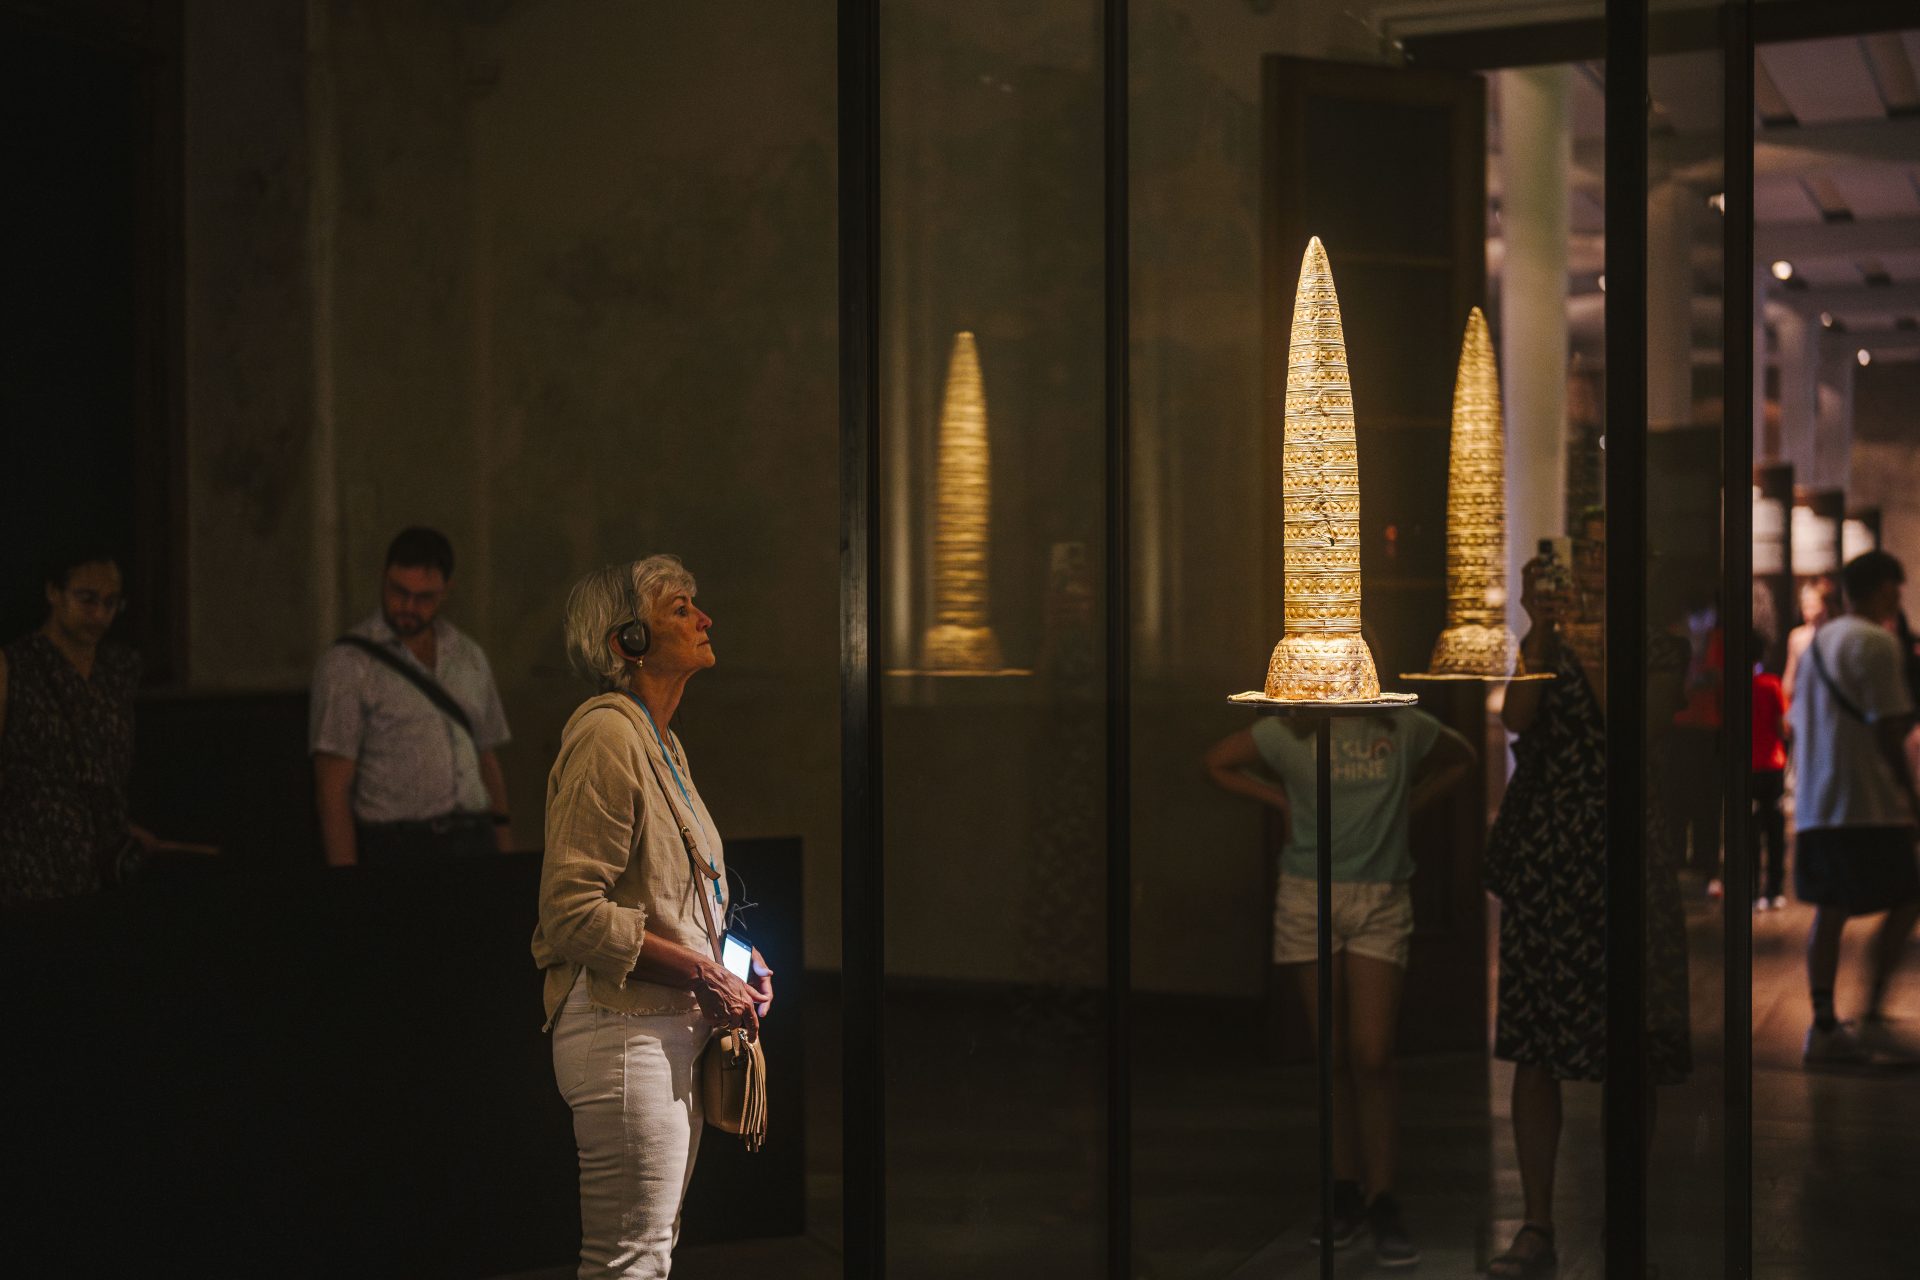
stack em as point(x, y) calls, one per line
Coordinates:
point(1322, 715)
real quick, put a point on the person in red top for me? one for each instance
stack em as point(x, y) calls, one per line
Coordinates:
point(1697, 747)
point(1769, 785)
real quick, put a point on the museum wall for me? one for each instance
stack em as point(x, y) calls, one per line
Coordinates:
point(559, 279)
point(249, 387)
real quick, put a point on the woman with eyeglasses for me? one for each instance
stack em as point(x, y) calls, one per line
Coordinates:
point(66, 737)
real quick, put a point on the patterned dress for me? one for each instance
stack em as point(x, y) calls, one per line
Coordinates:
point(65, 755)
point(1546, 861)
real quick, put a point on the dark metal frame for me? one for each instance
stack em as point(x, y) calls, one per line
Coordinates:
point(1119, 614)
point(1736, 597)
point(1323, 963)
point(1626, 636)
point(1675, 31)
point(862, 896)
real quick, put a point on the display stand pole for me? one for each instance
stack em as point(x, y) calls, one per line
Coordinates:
point(1322, 715)
point(1323, 940)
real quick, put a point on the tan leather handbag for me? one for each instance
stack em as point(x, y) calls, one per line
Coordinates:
point(733, 1069)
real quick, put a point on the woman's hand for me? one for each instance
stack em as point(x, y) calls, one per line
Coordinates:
point(725, 1000)
point(1546, 603)
point(762, 984)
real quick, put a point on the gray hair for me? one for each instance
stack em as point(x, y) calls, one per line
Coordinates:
point(607, 598)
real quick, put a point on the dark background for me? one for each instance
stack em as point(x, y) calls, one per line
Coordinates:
point(224, 1072)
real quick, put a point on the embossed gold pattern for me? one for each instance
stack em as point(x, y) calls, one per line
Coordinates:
point(1321, 656)
point(960, 638)
point(1477, 641)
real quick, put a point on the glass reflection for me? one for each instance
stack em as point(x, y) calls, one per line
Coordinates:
point(992, 383)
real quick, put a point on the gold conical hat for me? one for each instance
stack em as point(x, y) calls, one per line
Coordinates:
point(1321, 656)
point(960, 638)
point(1477, 641)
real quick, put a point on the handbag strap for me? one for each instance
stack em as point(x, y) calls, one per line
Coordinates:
point(430, 688)
point(1833, 686)
point(693, 863)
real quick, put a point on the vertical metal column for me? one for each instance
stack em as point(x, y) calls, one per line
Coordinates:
point(1119, 665)
point(1626, 636)
point(1736, 611)
point(862, 902)
point(1323, 943)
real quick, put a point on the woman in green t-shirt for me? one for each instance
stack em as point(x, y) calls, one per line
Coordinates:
point(1384, 765)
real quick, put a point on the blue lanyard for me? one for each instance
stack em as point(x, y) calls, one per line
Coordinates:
point(675, 770)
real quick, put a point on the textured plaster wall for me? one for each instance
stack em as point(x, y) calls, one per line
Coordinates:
point(585, 312)
point(248, 335)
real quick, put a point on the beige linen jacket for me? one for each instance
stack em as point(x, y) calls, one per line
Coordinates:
point(615, 869)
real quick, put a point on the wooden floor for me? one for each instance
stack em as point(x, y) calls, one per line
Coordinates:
point(990, 1177)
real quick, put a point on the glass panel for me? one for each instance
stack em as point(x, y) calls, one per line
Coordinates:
point(1546, 858)
point(992, 381)
point(1837, 382)
point(1687, 685)
point(1254, 129)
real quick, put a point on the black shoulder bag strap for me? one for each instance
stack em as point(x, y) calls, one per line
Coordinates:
point(1833, 686)
point(426, 684)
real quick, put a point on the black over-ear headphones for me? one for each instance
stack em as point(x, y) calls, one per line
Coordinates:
point(631, 639)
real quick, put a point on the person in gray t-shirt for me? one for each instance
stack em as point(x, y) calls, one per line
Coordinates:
point(1854, 806)
point(397, 776)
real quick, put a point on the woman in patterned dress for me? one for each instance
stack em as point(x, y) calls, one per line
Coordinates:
point(66, 737)
point(1546, 861)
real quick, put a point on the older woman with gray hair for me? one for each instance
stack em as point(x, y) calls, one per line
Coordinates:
point(633, 989)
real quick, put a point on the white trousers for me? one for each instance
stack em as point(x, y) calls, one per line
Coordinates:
point(636, 1119)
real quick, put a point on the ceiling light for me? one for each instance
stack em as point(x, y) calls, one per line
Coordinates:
point(1782, 269)
point(1864, 356)
point(1718, 202)
point(1826, 319)
point(1603, 282)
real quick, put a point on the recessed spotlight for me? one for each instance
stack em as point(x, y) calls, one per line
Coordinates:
point(1603, 282)
point(1864, 356)
point(1826, 319)
point(1782, 269)
point(1717, 202)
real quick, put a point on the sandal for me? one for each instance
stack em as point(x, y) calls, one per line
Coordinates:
point(1526, 1263)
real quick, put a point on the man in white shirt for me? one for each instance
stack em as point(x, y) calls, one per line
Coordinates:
point(1855, 807)
point(405, 725)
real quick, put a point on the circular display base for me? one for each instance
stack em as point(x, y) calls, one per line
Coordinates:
point(1450, 675)
point(1260, 702)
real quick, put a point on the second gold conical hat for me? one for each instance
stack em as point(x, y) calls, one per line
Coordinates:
point(961, 637)
point(1321, 656)
point(1477, 641)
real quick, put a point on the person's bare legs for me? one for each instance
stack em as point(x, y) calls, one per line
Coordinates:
point(1536, 1142)
point(1536, 1137)
point(1373, 1017)
point(1889, 943)
point(1346, 1145)
point(1823, 957)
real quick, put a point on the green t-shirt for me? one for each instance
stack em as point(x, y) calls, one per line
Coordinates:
point(1374, 759)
